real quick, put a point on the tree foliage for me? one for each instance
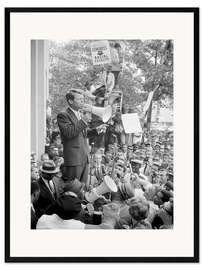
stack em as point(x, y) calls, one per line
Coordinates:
point(146, 64)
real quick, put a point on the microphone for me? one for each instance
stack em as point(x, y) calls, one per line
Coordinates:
point(92, 148)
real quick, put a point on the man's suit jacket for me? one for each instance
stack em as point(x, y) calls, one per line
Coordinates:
point(59, 184)
point(73, 135)
point(34, 219)
point(46, 199)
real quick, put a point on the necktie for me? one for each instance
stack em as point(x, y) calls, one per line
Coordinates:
point(52, 189)
point(79, 118)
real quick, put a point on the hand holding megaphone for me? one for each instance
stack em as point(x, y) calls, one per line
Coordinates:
point(90, 209)
point(103, 200)
point(87, 108)
point(112, 97)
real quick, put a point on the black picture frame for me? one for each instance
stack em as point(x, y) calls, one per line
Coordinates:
point(8, 257)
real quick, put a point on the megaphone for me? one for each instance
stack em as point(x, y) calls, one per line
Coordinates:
point(108, 185)
point(104, 113)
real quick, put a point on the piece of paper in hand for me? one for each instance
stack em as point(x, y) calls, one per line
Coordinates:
point(131, 123)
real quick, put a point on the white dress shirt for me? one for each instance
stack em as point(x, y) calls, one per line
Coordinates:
point(77, 113)
point(55, 222)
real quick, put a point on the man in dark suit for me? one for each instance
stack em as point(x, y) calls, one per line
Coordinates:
point(35, 192)
point(72, 127)
point(47, 195)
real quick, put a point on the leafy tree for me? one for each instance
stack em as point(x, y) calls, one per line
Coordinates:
point(147, 64)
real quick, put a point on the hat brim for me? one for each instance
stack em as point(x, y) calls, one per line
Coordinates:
point(50, 172)
point(136, 161)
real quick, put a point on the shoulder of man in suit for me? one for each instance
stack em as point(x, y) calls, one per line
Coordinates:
point(64, 112)
point(71, 193)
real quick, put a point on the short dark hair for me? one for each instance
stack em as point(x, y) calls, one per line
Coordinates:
point(71, 92)
point(68, 206)
point(54, 135)
point(69, 96)
point(139, 210)
point(117, 45)
point(34, 186)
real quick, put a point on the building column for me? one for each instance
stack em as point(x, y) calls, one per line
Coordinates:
point(39, 93)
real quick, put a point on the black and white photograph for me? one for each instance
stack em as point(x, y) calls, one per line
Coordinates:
point(102, 134)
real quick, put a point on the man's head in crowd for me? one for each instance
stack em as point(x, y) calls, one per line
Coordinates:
point(162, 148)
point(76, 187)
point(75, 99)
point(136, 165)
point(48, 170)
point(163, 176)
point(68, 206)
point(33, 157)
point(47, 140)
point(108, 156)
point(165, 158)
point(148, 146)
point(162, 196)
point(157, 179)
point(168, 186)
point(168, 206)
point(170, 177)
point(34, 165)
point(44, 157)
point(138, 208)
point(142, 152)
point(119, 169)
point(35, 191)
point(56, 139)
point(135, 147)
point(53, 152)
point(151, 192)
point(125, 148)
point(126, 108)
point(34, 173)
point(155, 167)
point(111, 148)
point(148, 154)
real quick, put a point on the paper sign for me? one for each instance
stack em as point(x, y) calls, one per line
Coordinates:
point(100, 51)
point(131, 123)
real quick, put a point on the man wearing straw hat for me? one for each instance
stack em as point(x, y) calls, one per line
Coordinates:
point(47, 195)
point(72, 127)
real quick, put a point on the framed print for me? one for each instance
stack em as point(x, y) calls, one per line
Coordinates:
point(102, 135)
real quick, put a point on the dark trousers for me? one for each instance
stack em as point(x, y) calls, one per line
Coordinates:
point(80, 172)
point(97, 139)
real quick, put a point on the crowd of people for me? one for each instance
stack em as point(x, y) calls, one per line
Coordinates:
point(142, 173)
point(95, 176)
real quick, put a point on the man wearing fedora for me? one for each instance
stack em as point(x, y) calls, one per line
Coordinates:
point(72, 126)
point(47, 187)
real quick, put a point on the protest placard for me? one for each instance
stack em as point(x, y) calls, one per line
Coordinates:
point(131, 123)
point(100, 51)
